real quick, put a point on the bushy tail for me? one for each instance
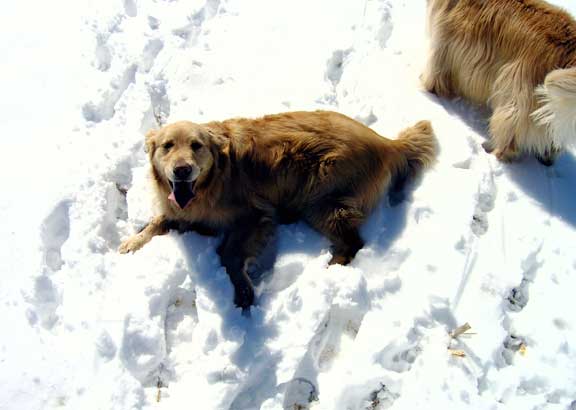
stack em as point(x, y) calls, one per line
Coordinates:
point(418, 144)
point(558, 109)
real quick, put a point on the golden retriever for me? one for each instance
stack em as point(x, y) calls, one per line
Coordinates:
point(516, 56)
point(244, 176)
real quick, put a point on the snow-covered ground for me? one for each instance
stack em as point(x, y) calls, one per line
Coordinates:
point(475, 241)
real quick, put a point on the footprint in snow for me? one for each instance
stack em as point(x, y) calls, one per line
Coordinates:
point(519, 296)
point(45, 299)
point(381, 399)
point(54, 232)
point(190, 32)
point(149, 54)
point(130, 8)
point(102, 53)
point(148, 342)
point(512, 345)
point(343, 319)
point(485, 200)
point(159, 110)
point(105, 109)
point(181, 318)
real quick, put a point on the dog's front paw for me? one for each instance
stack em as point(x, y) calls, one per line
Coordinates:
point(131, 244)
point(244, 296)
point(340, 260)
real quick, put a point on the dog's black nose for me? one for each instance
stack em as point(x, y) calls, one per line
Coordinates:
point(182, 172)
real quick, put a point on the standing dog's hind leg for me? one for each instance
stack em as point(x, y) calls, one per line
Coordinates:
point(436, 78)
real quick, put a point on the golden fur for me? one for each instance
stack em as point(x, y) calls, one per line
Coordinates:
point(516, 56)
point(250, 174)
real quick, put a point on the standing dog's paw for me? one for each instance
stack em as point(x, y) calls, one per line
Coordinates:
point(131, 244)
point(544, 160)
point(488, 146)
point(506, 155)
point(549, 156)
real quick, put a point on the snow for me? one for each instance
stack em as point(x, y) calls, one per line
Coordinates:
point(473, 241)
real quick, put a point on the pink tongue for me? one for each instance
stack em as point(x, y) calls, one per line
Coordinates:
point(172, 198)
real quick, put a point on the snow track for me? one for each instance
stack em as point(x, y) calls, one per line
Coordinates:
point(471, 241)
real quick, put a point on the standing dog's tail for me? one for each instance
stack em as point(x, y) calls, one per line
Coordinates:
point(419, 146)
point(558, 110)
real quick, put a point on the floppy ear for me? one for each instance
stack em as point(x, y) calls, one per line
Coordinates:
point(216, 137)
point(149, 141)
point(220, 145)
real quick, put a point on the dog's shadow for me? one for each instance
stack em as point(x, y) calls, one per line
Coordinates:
point(553, 188)
point(285, 257)
point(250, 332)
point(383, 227)
point(281, 264)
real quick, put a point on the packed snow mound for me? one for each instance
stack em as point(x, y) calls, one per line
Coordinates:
point(472, 241)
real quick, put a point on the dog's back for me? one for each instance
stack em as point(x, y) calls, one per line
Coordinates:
point(498, 52)
point(480, 37)
point(296, 159)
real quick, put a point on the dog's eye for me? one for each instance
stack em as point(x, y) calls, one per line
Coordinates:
point(168, 145)
point(196, 146)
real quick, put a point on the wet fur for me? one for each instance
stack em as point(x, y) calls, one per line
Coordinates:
point(322, 167)
point(516, 56)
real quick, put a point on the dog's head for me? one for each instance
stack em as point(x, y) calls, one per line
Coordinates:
point(182, 156)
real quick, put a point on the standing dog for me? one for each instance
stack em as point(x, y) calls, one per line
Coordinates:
point(516, 56)
point(244, 176)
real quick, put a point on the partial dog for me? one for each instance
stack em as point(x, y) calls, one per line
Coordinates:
point(244, 176)
point(516, 56)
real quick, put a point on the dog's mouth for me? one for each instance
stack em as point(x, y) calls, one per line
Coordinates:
point(182, 192)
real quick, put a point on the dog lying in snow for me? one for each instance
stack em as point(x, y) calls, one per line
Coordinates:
point(518, 57)
point(244, 176)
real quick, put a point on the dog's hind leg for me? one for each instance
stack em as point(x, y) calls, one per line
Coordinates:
point(339, 223)
point(503, 135)
point(437, 77)
point(239, 253)
point(512, 102)
point(436, 81)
